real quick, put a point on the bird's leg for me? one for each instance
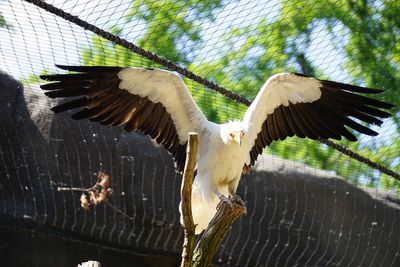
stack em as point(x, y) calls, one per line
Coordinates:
point(223, 199)
point(233, 198)
point(221, 196)
point(238, 200)
point(232, 186)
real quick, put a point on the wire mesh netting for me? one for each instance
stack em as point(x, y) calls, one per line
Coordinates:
point(238, 45)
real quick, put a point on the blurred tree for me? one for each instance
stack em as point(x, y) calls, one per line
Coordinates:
point(371, 48)
point(372, 59)
point(3, 22)
point(173, 29)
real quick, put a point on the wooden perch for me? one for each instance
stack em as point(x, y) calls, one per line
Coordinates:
point(215, 232)
point(226, 214)
point(186, 197)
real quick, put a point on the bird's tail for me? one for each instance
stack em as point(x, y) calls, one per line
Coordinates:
point(203, 208)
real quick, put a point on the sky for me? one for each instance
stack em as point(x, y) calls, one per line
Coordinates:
point(38, 39)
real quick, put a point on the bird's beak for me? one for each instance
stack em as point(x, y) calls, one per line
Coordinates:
point(238, 139)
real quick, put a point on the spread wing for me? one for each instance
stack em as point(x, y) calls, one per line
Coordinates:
point(152, 101)
point(294, 104)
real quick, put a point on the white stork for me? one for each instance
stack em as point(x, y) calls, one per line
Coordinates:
point(157, 103)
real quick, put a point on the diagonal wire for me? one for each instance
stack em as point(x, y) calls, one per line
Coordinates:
point(360, 158)
point(187, 73)
point(138, 50)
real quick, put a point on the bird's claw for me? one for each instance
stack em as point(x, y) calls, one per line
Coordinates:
point(225, 200)
point(238, 200)
point(230, 201)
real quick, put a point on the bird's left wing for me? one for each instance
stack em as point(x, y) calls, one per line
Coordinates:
point(295, 104)
point(152, 101)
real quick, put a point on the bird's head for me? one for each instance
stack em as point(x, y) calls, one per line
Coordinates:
point(233, 132)
point(236, 136)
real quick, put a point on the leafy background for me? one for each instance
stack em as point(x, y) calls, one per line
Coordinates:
point(239, 44)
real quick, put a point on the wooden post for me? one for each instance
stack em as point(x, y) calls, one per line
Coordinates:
point(211, 239)
point(186, 197)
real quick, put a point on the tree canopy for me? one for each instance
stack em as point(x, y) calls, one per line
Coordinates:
point(368, 34)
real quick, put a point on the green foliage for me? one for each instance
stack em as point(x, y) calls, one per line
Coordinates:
point(33, 78)
point(371, 61)
point(371, 48)
point(4, 24)
point(373, 32)
point(169, 24)
point(177, 23)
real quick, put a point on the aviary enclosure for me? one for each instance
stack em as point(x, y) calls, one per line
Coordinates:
point(309, 203)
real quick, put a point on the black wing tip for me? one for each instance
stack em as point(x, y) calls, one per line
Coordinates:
point(87, 69)
point(344, 86)
point(46, 86)
point(373, 133)
point(53, 77)
point(47, 77)
point(76, 68)
point(390, 105)
point(56, 109)
point(301, 74)
point(59, 108)
point(351, 138)
point(351, 87)
point(383, 114)
point(84, 69)
point(50, 94)
point(377, 123)
point(64, 67)
point(366, 90)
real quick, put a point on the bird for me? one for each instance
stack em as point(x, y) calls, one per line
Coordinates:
point(157, 103)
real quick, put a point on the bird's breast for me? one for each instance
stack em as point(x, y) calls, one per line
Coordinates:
point(224, 162)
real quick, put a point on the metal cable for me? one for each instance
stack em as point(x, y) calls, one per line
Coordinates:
point(360, 158)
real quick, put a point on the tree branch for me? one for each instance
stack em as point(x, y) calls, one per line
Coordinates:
point(211, 239)
point(186, 197)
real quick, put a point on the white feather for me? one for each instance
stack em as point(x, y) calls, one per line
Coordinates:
point(169, 89)
point(279, 89)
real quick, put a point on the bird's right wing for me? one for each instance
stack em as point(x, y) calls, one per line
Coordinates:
point(152, 101)
point(295, 104)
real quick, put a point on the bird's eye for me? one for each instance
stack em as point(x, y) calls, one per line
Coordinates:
point(232, 135)
point(241, 134)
